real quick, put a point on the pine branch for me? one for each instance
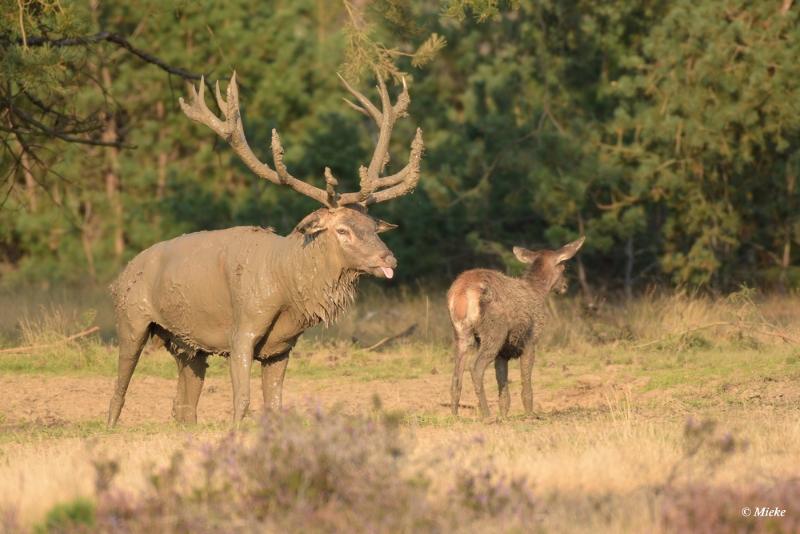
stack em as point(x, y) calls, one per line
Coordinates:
point(60, 135)
point(121, 42)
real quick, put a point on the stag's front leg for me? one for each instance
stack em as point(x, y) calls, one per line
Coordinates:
point(241, 359)
point(273, 370)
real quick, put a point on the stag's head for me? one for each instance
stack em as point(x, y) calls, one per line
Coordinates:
point(343, 220)
point(354, 239)
point(547, 266)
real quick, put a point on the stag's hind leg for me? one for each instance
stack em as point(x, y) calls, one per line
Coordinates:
point(273, 370)
point(132, 337)
point(464, 346)
point(191, 375)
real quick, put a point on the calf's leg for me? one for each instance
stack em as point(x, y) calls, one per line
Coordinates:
point(488, 351)
point(501, 373)
point(464, 344)
point(526, 370)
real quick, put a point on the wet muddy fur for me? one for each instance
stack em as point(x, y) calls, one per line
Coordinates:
point(245, 293)
point(496, 318)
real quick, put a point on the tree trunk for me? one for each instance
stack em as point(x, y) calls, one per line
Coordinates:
point(30, 181)
point(629, 268)
point(582, 279)
point(27, 175)
point(87, 239)
point(786, 258)
point(111, 174)
point(163, 157)
point(112, 178)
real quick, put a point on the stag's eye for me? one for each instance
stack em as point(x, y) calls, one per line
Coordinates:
point(342, 231)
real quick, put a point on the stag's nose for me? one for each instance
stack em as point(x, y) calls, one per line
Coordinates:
point(389, 260)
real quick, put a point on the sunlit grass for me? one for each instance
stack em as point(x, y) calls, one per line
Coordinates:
point(612, 390)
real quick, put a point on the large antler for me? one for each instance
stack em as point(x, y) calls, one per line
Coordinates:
point(374, 188)
point(232, 130)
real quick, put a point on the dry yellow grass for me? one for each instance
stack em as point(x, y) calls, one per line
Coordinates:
point(613, 390)
point(571, 463)
point(34, 476)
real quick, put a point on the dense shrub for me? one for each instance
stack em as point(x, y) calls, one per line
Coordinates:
point(329, 472)
point(705, 508)
point(77, 515)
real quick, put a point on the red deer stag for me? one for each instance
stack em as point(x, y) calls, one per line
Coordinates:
point(501, 318)
point(246, 292)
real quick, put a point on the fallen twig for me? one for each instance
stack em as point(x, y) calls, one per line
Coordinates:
point(683, 333)
point(740, 324)
point(32, 348)
point(407, 332)
point(785, 337)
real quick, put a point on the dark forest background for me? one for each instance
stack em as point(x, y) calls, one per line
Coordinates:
point(666, 131)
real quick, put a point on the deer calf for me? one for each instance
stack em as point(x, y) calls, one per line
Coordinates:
point(501, 318)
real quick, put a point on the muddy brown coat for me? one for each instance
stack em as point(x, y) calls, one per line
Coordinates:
point(497, 317)
point(249, 293)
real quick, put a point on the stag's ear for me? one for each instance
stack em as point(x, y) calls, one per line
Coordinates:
point(384, 226)
point(311, 225)
point(570, 249)
point(524, 255)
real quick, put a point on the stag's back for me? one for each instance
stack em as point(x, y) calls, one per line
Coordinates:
point(191, 284)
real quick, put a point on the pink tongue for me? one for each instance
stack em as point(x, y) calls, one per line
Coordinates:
point(387, 272)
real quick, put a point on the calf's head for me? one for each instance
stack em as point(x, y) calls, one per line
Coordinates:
point(547, 266)
point(353, 237)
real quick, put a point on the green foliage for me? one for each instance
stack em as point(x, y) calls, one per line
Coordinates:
point(708, 133)
point(480, 9)
point(666, 131)
point(74, 516)
point(366, 52)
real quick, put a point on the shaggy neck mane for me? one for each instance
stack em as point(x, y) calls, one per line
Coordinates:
point(323, 287)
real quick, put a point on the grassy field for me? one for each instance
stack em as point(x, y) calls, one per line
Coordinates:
point(667, 413)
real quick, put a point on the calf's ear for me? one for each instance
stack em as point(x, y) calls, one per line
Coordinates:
point(524, 255)
point(384, 226)
point(570, 249)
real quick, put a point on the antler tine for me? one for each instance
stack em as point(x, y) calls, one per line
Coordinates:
point(365, 102)
point(232, 130)
point(373, 187)
point(218, 96)
point(197, 110)
point(331, 183)
point(404, 181)
point(356, 107)
point(380, 156)
point(401, 106)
